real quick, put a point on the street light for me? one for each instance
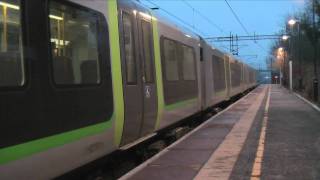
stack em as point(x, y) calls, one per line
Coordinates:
point(280, 58)
point(280, 51)
point(285, 37)
point(292, 22)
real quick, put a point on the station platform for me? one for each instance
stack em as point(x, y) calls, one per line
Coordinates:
point(270, 133)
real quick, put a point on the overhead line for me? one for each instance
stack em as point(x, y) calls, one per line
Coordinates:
point(196, 29)
point(237, 18)
point(176, 17)
point(203, 16)
point(242, 25)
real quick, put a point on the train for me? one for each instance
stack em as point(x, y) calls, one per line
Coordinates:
point(81, 79)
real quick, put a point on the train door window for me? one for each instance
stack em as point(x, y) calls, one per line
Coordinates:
point(74, 44)
point(130, 61)
point(171, 60)
point(11, 51)
point(147, 48)
point(188, 63)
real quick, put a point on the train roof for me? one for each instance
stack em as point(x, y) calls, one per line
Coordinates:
point(167, 21)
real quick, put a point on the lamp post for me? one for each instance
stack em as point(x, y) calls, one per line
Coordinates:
point(315, 49)
point(293, 22)
point(280, 58)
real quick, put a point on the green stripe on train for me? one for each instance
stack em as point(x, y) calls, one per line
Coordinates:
point(180, 104)
point(161, 104)
point(157, 59)
point(116, 69)
point(29, 148)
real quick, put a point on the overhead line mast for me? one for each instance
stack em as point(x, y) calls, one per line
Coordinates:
point(234, 39)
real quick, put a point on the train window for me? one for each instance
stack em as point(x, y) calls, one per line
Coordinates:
point(188, 66)
point(147, 47)
point(11, 52)
point(74, 44)
point(218, 73)
point(171, 60)
point(235, 74)
point(131, 71)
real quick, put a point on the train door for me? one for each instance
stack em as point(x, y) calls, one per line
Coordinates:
point(138, 75)
point(130, 72)
point(149, 93)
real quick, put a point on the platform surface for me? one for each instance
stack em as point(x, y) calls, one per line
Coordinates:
point(268, 134)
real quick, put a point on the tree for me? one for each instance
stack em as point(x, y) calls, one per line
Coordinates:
point(303, 49)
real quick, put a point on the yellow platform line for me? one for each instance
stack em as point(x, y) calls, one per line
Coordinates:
point(222, 161)
point(256, 169)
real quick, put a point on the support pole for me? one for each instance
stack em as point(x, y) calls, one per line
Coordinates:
point(290, 74)
point(280, 78)
point(315, 80)
point(299, 57)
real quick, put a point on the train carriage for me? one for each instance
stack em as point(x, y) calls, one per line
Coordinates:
point(81, 79)
point(215, 72)
point(180, 64)
point(59, 111)
point(235, 76)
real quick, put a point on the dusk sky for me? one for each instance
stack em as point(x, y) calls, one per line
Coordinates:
point(258, 16)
